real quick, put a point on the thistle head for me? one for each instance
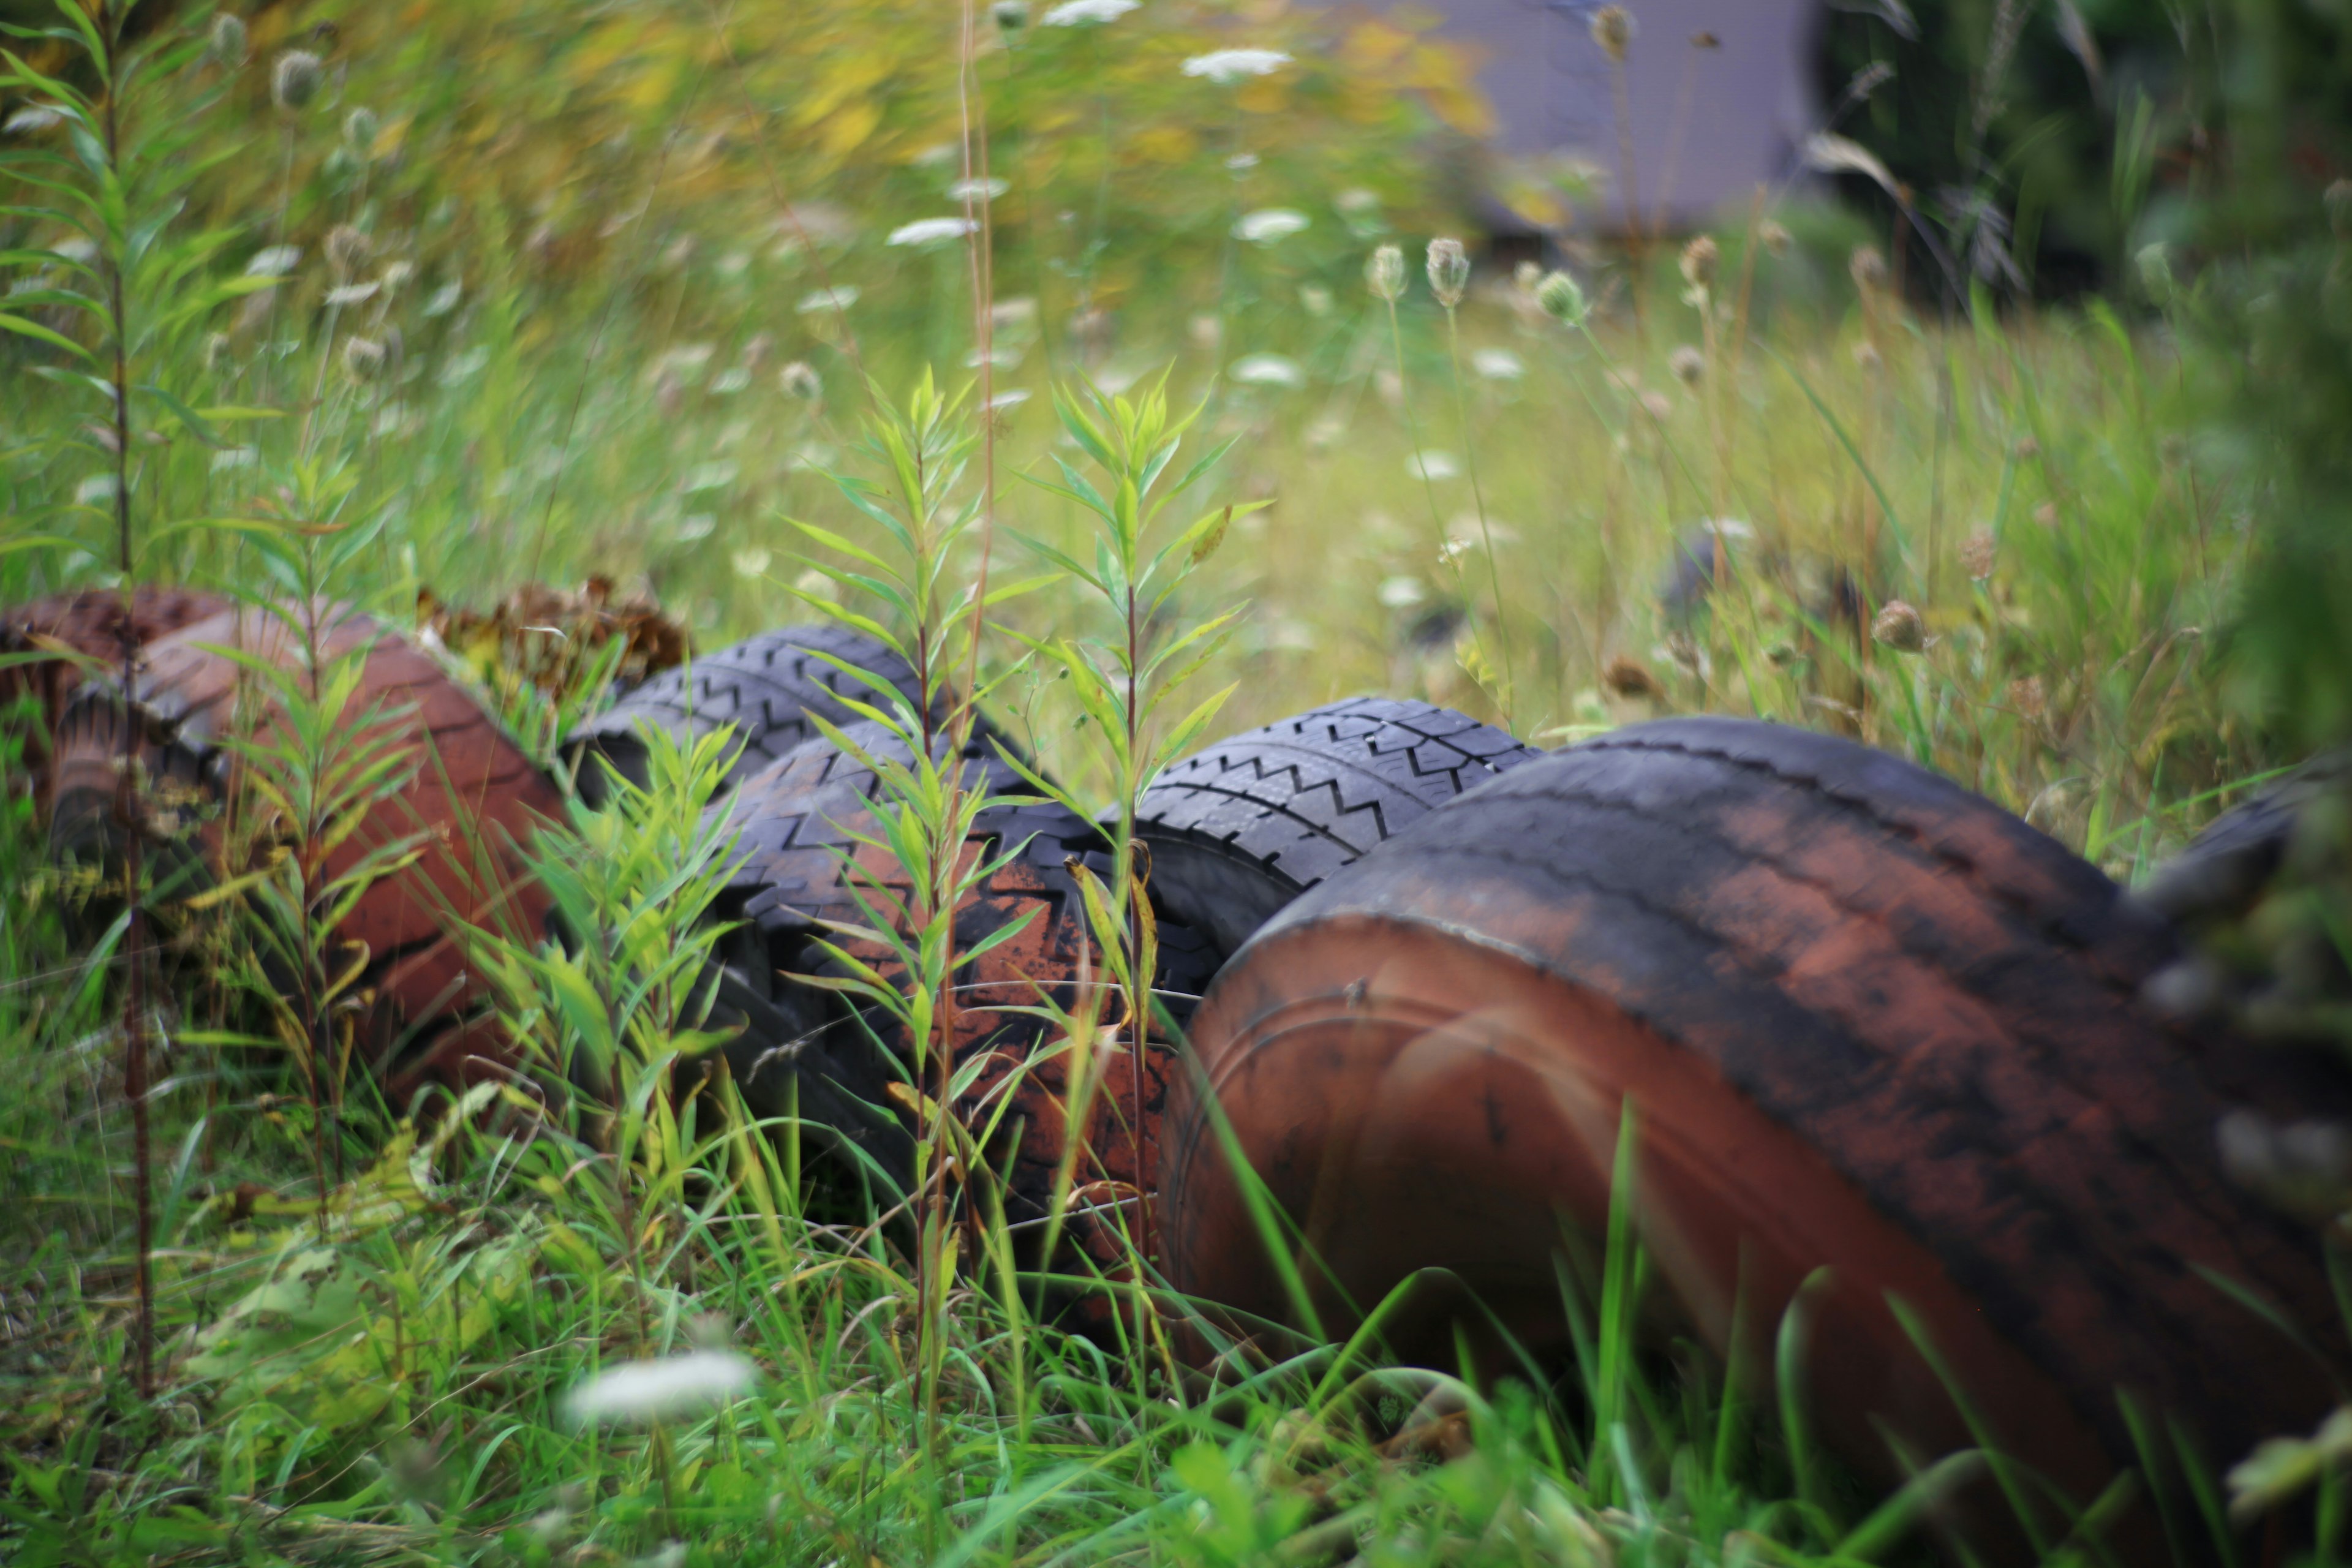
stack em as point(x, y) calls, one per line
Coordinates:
point(800, 379)
point(347, 250)
point(1773, 237)
point(227, 43)
point(1899, 627)
point(1563, 298)
point(363, 359)
point(1449, 272)
point(1385, 274)
point(1613, 29)
point(295, 79)
point(1977, 553)
point(1699, 259)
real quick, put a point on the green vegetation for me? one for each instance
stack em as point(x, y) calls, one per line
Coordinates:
point(486, 296)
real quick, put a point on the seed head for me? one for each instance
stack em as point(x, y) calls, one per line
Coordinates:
point(1868, 266)
point(1563, 298)
point(295, 79)
point(1703, 39)
point(1688, 364)
point(1385, 274)
point(646, 1391)
point(347, 249)
point(227, 45)
point(359, 132)
point(1775, 238)
point(1977, 552)
point(1449, 272)
point(1613, 29)
point(2338, 202)
point(1629, 677)
point(362, 359)
point(1899, 626)
point(1699, 258)
point(800, 379)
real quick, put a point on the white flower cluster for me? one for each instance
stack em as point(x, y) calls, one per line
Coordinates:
point(1226, 67)
point(932, 231)
point(1080, 13)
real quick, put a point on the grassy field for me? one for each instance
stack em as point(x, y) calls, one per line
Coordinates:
point(1758, 479)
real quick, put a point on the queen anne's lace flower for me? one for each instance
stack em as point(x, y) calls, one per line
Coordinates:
point(1226, 67)
point(1078, 12)
point(1268, 370)
point(930, 231)
point(1269, 226)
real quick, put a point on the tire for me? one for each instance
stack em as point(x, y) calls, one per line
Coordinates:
point(2223, 871)
point(795, 823)
point(765, 688)
point(474, 793)
point(88, 623)
point(1868, 1020)
point(1240, 829)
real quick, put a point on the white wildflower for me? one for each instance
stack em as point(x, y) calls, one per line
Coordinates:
point(977, 190)
point(1431, 466)
point(652, 1390)
point(930, 231)
point(277, 261)
point(839, 298)
point(1497, 364)
point(1268, 370)
point(1270, 225)
point(1401, 593)
point(1226, 67)
point(354, 293)
point(1079, 13)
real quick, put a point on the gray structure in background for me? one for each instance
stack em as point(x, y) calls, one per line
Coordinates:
point(1750, 100)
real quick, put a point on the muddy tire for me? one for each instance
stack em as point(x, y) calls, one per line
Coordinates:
point(795, 823)
point(473, 792)
point(91, 624)
point(1868, 1020)
point(1238, 830)
point(764, 689)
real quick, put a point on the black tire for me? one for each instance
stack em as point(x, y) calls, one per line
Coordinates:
point(1240, 829)
point(765, 689)
point(1877, 1022)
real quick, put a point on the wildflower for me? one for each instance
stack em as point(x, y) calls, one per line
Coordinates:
point(1431, 466)
point(977, 190)
point(1774, 237)
point(800, 379)
point(1449, 272)
point(360, 131)
point(1268, 370)
point(277, 261)
point(840, 296)
point(1010, 15)
point(1613, 29)
point(1698, 263)
point(1629, 677)
point(1497, 364)
point(1270, 225)
point(1977, 552)
point(1401, 593)
point(295, 79)
point(1688, 364)
point(347, 249)
point(930, 231)
point(1080, 13)
point(1899, 626)
point(1563, 298)
point(654, 1390)
point(1226, 67)
point(1868, 268)
point(1385, 274)
point(363, 359)
point(227, 44)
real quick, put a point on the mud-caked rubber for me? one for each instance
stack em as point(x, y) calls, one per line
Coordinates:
point(1926, 1010)
point(803, 880)
point(763, 692)
point(1239, 829)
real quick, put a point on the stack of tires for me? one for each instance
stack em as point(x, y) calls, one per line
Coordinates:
point(1882, 1044)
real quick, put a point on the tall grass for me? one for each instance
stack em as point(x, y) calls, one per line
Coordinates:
point(370, 1327)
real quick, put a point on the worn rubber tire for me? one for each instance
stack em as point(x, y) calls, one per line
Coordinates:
point(89, 623)
point(764, 689)
point(794, 823)
point(474, 792)
point(1239, 829)
point(1869, 1020)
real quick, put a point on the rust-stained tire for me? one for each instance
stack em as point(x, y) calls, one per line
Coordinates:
point(1868, 1020)
point(89, 623)
point(764, 689)
point(473, 792)
point(794, 821)
point(1239, 828)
